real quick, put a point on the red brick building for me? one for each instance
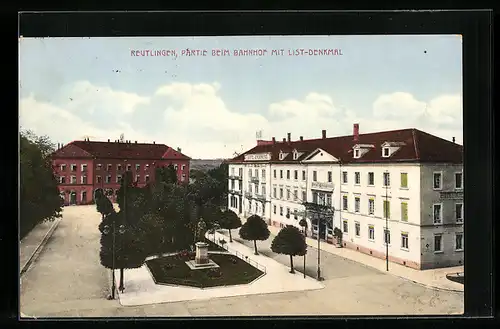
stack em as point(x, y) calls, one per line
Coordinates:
point(84, 166)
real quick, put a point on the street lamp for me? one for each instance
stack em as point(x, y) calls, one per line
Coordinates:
point(386, 210)
point(121, 230)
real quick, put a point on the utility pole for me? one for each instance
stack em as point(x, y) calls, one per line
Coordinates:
point(319, 247)
point(386, 210)
point(304, 232)
point(113, 285)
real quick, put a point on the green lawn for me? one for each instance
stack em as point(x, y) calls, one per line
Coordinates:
point(213, 246)
point(173, 270)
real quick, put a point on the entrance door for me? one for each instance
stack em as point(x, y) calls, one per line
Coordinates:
point(72, 198)
point(84, 197)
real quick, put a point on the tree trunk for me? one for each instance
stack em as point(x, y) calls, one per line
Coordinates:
point(255, 246)
point(122, 287)
point(291, 265)
point(113, 284)
point(230, 237)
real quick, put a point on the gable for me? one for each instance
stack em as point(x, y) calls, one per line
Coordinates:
point(320, 155)
point(71, 151)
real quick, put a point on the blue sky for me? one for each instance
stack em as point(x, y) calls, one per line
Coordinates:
point(211, 106)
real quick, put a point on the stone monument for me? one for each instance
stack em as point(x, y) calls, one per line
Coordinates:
point(201, 253)
point(201, 260)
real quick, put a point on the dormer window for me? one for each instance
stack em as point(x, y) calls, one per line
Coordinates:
point(356, 154)
point(360, 150)
point(295, 154)
point(386, 152)
point(282, 155)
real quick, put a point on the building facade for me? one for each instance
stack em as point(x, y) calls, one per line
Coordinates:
point(402, 188)
point(84, 166)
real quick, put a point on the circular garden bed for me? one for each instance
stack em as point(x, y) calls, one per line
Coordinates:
point(173, 270)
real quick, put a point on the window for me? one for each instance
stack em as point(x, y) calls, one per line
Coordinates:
point(357, 228)
point(404, 180)
point(295, 216)
point(329, 177)
point(281, 174)
point(84, 167)
point(249, 173)
point(459, 212)
point(356, 204)
point(315, 176)
point(295, 195)
point(108, 167)
point(274, 209)
point(137, 166)
point(404, 241)
point(404, 211)
point(274, 192)
point(387, 236)
point(240, 172)
point(108, 179)
point(321, 200)
point(458, 180)
point(281, 211)
point(176, 166)
point(356, 153)
point(438, 241)
point(344, 177)
point(263, 174)
point(264, 190)
point(129, 167)
point(274, 173)
point(63, 167)
point(387, 209)
point(437, 213)
point(118, 178)
point(146, 167)
point(83, 180)
point(303, 175)
point(371, 179)
point(437, 183)
point(385, 152)
point(296, 174)
point(73, 167)
point(459, 242)
point(232, 184)
point(256, 173)
point(344, 203)
point(232, 170)
point(345, 226)
point(387, 179)
point(256, 189)
point(146, 178)
point(371, 206)
point(73, 179)
point(281, 193)
point(304, 196)
point(137, 178)
point(62, 180)
point(288, 174)
point(119, 167)
point(371, 232)
point(315, 197)
point(328, 199)
point(183, 178)
point(357, 178)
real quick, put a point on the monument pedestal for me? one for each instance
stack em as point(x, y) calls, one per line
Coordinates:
point(201, 260)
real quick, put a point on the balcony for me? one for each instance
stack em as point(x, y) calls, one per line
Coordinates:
point(248, 195)
point(254, 179)
point(322, 186)
point(451, 195)
point(234, 191)
point(234, 177)
point(261, 197)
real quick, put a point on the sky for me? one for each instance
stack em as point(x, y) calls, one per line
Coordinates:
point(212, 106)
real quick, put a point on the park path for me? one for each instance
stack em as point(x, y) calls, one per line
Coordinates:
point(67, 275)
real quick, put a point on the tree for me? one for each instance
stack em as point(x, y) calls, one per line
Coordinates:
point(103, 204)
point(220, 191)
point(289, 241)
point(254, 229)
point(39, 195)
point(196, 174)
point(230, 221)
point(166, 174)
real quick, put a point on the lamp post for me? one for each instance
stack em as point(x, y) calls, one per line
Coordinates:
point(121, 230)
point(386, 210)
point(319, 247)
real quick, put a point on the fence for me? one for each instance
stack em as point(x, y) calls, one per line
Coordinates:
point(243, 257)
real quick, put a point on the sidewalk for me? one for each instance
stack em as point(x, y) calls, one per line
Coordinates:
point(435, 278)
point(31, 245)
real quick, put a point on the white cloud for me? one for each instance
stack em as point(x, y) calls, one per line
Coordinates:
point(195, 118)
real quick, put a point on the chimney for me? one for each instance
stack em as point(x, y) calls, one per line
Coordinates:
point(301, 138)
point(453, 139)
point(274, 140)
point(153, 142)
point(289, 137)
point(284, 140)
point(108, 140)
point(178, 149)
point(355, 132)
point(136, 142)
point(323, 133)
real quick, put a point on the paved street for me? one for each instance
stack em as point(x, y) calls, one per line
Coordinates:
point(68, 280)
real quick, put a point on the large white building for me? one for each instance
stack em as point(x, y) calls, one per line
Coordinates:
point(404, 187)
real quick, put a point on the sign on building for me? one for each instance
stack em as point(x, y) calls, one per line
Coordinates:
point(258, 157)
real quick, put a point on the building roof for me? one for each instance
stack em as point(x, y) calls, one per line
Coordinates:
point(118, 150)
point(413, 146)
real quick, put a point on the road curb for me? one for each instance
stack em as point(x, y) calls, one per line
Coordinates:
point(40, 246)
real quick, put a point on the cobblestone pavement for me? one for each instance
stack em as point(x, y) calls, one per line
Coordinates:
point(67, 280)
